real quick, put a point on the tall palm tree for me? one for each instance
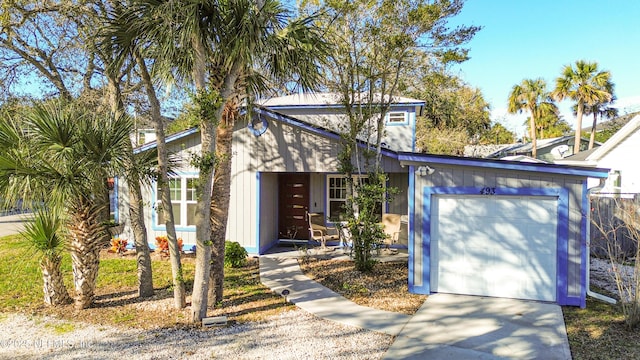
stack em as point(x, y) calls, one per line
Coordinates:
point(62, 157)
point(215, 46)
point(603, 110)
point(531, 95)
point(585, 85)
point(278, 50)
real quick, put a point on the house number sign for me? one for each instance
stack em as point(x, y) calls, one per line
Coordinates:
point(488, 191)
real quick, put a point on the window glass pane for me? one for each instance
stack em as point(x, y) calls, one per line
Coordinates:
point(191, 214)
point(191, 189)
point(175, 189)
point(335, 210)
point(176, 214)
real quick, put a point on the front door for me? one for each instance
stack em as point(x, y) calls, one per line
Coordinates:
point(293, 206)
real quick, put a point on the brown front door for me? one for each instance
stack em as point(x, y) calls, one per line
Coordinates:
point(293, 206)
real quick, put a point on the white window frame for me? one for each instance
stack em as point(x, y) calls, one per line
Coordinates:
point(182, 203)
point(329, 198)
point(397, 118)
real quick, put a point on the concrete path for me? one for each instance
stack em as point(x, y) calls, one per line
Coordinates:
point(475, 327)
point(284, 273)
point(12, 224)
point(445, 327)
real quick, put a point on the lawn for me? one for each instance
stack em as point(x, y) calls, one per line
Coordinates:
point(245, 298)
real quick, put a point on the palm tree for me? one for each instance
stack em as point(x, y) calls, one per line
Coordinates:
point(585, 85)
point(532, 96)
point(63, 157)
point(216, 46)
point(44, 235)
point(603, 110)
point(281, 51)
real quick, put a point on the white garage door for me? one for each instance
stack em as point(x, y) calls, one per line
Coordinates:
point(503, 246)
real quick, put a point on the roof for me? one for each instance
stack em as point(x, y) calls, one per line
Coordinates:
point(406, 158)
point(410, 158)
point(591, 157)
point(168, 139)
point(632, 126)
point(326, 100)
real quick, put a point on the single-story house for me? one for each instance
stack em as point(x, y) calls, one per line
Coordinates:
point(547, 149)
point(475, 226)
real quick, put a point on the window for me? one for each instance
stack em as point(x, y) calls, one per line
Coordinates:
point(183, 201)
point(397, 117)
point(337, 197)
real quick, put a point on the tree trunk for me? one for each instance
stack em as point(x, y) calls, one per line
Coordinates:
point(578, 137)
point(55, 292)
point(136, 203)
point(220, 210)
point(179, 295)
point(143, 256)
point(592, 136)
point(86, 235)
point(205, 182)
point(532, 132)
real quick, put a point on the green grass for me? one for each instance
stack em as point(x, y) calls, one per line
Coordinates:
point(598, 332)
point(245, 298)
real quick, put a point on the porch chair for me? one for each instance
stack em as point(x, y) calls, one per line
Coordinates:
point(391, 225)
point(319, 231)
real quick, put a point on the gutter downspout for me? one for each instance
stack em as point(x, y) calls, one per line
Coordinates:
point(589, 292)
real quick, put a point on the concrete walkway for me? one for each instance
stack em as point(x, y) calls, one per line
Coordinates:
point(284, 273)
point(445, 327)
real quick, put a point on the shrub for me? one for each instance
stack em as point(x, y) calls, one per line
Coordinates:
point(163, 244)
point(235, 255)
point(118, 245)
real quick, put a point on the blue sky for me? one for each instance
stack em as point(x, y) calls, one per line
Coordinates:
point(531, 39)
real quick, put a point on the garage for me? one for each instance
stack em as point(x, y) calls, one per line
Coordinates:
point(498, 228)
point(502, 246)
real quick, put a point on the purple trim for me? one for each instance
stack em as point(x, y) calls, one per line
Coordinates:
point(334, 106)
point(411, 217)
point(562, 233)
point(584, 249)
point(504, 165)
point(258, 204)
point(562, 275)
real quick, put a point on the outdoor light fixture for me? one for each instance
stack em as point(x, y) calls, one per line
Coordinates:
point(284, 293)
point(425, 170)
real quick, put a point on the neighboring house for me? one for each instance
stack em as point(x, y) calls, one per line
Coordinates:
point(475, 226)
point(618, 154)
point(548, 149)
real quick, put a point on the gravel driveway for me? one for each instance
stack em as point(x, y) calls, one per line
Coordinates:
point(291, 335)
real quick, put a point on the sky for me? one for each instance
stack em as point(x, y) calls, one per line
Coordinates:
point(536, 39)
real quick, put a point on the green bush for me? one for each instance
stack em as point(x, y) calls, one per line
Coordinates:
point(235, 255)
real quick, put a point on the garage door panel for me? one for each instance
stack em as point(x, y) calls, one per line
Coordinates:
point(505, 253)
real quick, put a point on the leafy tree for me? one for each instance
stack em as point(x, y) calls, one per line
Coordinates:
point(449, 102)
point(440, 140)
point(498, 134)
point(549, 125)
point(376, 44)
point(585, 85)
point(532, 96)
